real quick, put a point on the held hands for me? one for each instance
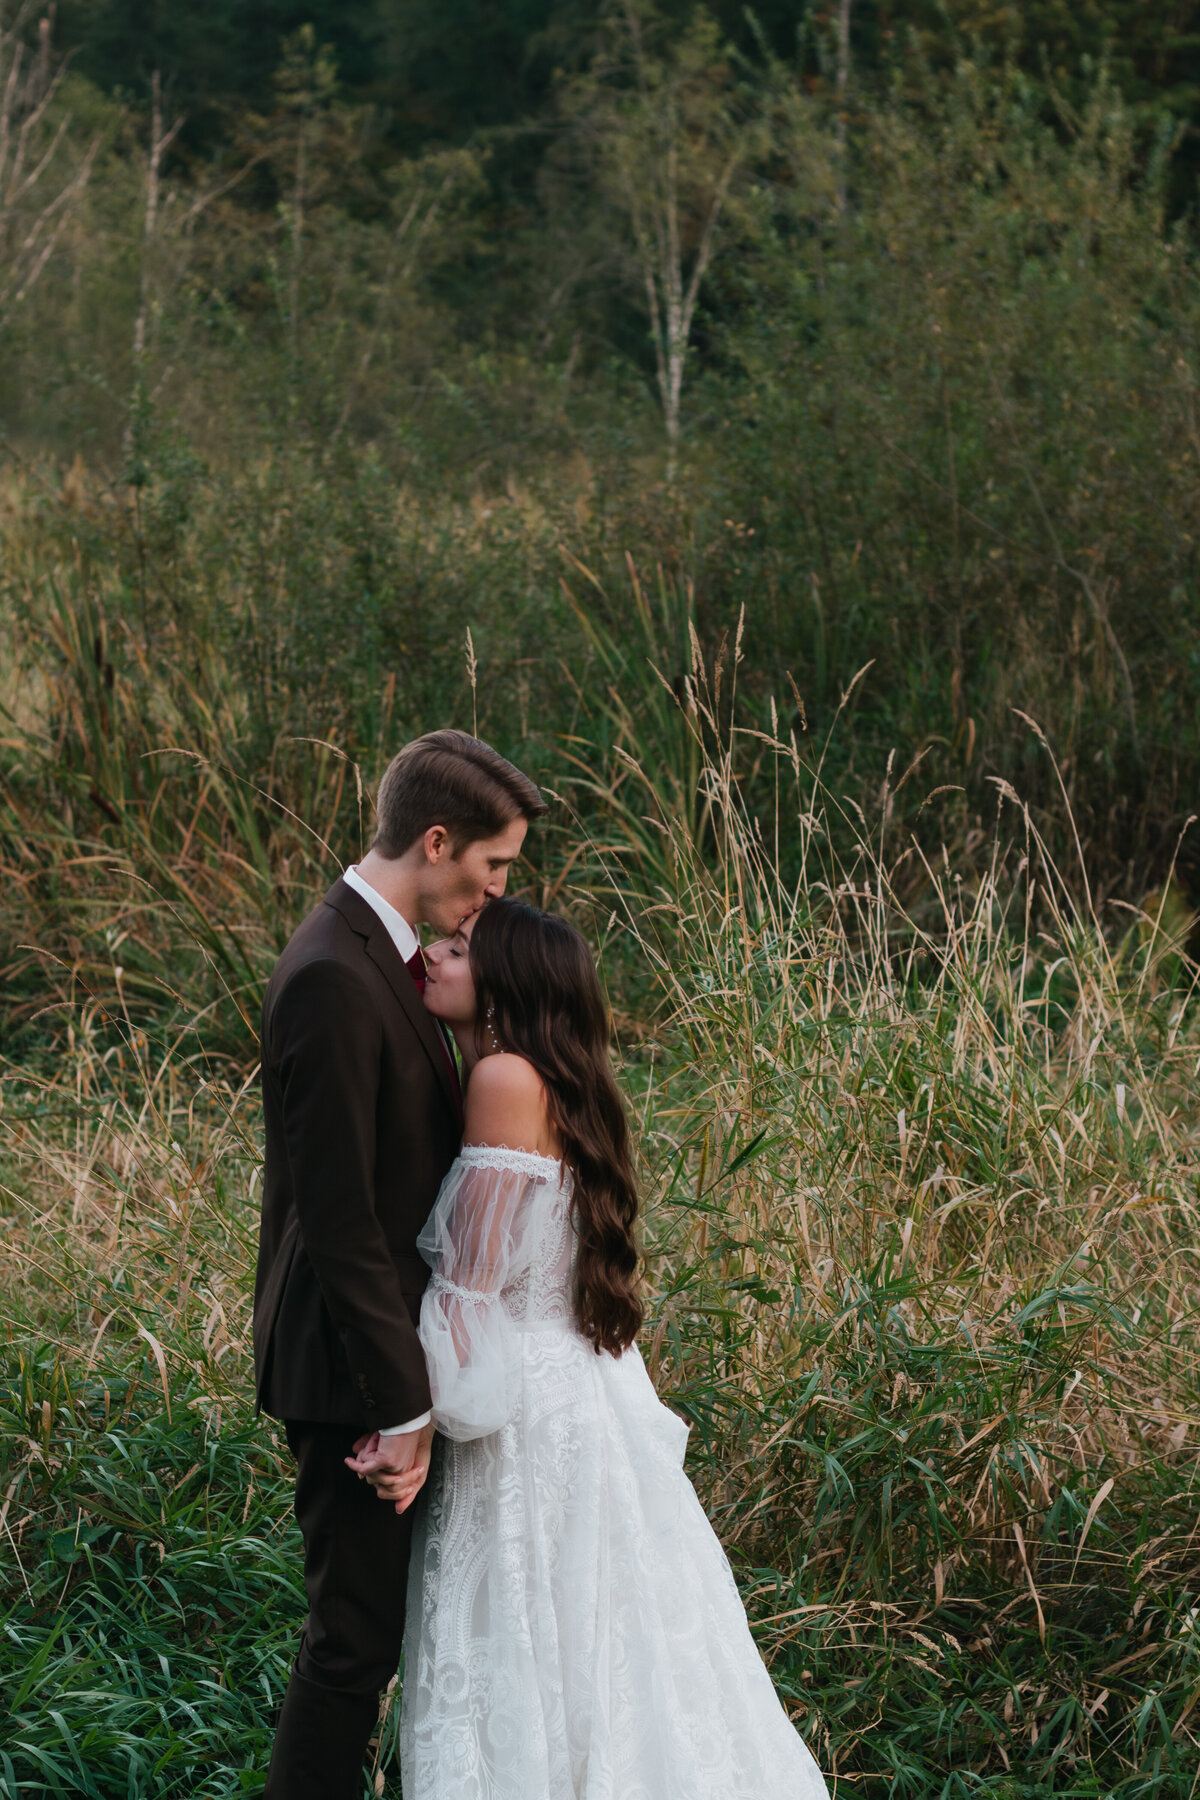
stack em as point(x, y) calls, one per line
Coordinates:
point(396, 1467)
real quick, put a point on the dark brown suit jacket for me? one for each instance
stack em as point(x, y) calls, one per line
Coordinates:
point(361, 1127)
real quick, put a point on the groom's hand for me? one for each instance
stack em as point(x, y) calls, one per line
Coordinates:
point(396, 1467)
point(402, 1489)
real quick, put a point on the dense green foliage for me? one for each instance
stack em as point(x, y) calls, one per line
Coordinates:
point(335, 396)
point(339, 406)
point(452, 68)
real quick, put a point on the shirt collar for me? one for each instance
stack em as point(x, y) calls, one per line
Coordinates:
point(398, 927)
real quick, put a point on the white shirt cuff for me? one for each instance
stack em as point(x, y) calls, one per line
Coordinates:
point(413, 1425)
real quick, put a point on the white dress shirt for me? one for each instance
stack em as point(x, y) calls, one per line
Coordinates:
point(406, 942)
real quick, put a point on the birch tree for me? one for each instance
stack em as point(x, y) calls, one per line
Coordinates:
point(307, 85)
point(162, 136)
point(668, 143)
point(841, 86)
point(43, 172)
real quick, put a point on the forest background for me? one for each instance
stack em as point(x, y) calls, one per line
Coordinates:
point(776, 429)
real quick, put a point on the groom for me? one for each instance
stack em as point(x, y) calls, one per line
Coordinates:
point(363, 1119)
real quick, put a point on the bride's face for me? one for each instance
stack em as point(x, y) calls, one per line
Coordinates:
point(449, 987)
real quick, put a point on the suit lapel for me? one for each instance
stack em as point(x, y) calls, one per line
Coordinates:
point(387, 959)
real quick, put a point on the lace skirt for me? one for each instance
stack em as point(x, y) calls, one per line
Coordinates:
point(574, 1630)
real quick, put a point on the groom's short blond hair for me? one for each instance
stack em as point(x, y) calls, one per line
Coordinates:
point(449, 778)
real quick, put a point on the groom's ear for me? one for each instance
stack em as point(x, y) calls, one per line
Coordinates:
point(437, 845)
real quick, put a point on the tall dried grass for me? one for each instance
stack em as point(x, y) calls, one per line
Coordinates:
point(920, 1167)
point(924, 1245)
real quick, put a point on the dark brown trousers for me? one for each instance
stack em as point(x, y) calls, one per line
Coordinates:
point(356, 1574)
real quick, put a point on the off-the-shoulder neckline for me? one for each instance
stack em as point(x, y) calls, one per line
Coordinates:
point(505, 1155)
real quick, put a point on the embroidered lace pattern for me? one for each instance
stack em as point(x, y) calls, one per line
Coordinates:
point(460, 1293)
point(501, 1156)
point(574, 1629)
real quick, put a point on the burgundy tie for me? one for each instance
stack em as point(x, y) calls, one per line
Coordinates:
point(416, 967)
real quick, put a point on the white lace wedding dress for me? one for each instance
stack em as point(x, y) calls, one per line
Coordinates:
point(574, 1631)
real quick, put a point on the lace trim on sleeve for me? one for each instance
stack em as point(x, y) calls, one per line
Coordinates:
point(475, 1296)
point(502, 1156)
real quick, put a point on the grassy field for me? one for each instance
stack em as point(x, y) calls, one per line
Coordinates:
point(921, 1208)
point(867, 688)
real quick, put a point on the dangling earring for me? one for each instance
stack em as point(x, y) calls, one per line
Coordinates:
point(489, 1019)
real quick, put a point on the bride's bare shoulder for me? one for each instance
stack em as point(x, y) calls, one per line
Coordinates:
point(506, 1104)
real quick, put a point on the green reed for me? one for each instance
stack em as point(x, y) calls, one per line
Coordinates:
point(919, 1159)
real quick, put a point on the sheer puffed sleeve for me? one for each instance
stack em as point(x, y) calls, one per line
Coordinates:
point(480, 1238)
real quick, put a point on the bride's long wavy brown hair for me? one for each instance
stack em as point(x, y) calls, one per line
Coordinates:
point(538, 977)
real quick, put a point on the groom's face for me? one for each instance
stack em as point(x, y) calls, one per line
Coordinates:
point(463, 881)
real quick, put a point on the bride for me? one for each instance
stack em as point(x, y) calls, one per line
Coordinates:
point(574, 1631)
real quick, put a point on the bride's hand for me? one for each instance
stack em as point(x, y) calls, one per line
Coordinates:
point(403, 1487)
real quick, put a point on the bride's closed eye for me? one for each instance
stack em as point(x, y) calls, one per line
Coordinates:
point(450, 987)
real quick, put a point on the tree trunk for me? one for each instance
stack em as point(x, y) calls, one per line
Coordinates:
point(160, 143)
point(842, 82)
point(297, 239)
